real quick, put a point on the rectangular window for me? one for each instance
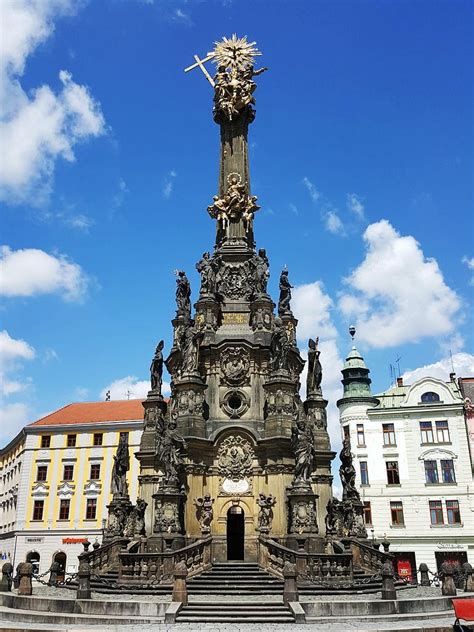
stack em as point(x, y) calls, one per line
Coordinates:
point(389, 434)
point(431, 472)
point(71, 440)
point(453, 513)
point(68, 473)
point(447, 469)
point(393, 477)
point(64, 509)
point(426, 428)
point(46, 441)
point(38, 508)
point(364, 473)
point(91, 508)
point(360, 435)
point(95, 472)
point(367, 513)
point(98, 437)
point(42, 473)
point(436, 512)
point(396, 510)
point(442, 432)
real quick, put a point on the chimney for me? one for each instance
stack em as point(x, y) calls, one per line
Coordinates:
point(399, 381)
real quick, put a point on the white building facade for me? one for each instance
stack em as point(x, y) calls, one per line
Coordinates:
point(414, 475)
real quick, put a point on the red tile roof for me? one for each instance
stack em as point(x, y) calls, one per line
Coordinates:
point(94, 413)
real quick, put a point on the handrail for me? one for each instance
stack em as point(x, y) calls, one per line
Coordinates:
point(106, 555)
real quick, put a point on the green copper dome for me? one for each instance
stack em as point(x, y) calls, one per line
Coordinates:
point(356, 380)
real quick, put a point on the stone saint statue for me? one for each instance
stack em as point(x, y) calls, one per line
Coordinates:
point(183, 294)
point(135, 525)
point(262, 273)
point(170, 448)
point(191, 340)
point(121, 466)
point(205, 513)
point(265, 514)
point(205, 268)
point(302, 442)
point(156, 368)
point(285, 294)
point(279, 346)
point(315, 371)
point(347, 473)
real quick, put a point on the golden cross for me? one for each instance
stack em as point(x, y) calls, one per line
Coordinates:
point(200, 63)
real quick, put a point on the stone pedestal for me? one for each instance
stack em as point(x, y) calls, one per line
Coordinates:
point(302, 510)
point(189, 405)
point(118, 512)
point(261, 315)
point(280, 391)
point(207, 313)
point(168, 512)
point(315, 409)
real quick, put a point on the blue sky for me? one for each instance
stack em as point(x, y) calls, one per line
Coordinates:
point(361, 158)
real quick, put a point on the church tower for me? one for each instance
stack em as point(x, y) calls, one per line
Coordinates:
point(235, 436)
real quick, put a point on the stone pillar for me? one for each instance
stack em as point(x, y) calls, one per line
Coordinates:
point(468, 577)
point(448, 587)
point(290, 589)
point(53, 574)
point(25, 572)
point(207, 313)
point(280, 391)
point(180, 591)
point(7, 577)
point(84, 581)
point(302, 514)
point(168, 520)
point(388, 586)
point(424, 577)
point(261, 316)
point(189, 404)
point(315, 408)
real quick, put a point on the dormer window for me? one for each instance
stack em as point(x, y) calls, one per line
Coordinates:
point(429, 397)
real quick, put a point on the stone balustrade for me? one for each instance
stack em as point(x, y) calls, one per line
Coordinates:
point(106, 557)
point(366, 556)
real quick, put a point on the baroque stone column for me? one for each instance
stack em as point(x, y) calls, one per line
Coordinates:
point(280, 391)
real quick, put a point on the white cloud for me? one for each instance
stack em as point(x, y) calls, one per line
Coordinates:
point(469, 262)
point(81, 393)
point(312, 307)
point(312, 190)
point(293, 208)
point(169, 183)
point(119, 197)
point(463, 366)
point(354, 204)
point(14, 418)
point(183, 18)
point(333, 222)
point(80, 222)
point(30, 271)
point(37, 128)
point(12, 350)
point(396, 294)
point(131, 387)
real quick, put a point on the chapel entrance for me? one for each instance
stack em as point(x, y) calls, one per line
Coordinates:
point(235, 533)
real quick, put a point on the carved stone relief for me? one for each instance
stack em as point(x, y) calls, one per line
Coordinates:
point(234, 458)
point(235, 363)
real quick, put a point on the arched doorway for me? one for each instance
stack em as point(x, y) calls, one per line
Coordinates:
point(60, 558)
point(34, 558)
point(235, 533)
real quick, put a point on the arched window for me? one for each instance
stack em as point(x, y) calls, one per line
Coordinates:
point(430, 397)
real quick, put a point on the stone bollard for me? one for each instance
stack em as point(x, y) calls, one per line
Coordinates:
point(469, 577)
point(7, 575)
point(53, 574)
point(448, 587)
point(25, 573)
point(290, 589)
point(84, 581)
point(180, 591)
point(86, 544)
point(424, 578)
point(388, 586)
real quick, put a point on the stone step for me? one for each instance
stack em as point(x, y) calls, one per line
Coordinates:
point(233, 619)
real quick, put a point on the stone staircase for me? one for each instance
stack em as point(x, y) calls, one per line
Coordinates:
point(235, 578)
point(236, 612)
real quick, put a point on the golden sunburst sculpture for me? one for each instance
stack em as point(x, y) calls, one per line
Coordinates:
point(234, 52)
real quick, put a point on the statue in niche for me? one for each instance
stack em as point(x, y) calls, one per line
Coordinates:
point(191, 340)
point(136, 520)
point(183, 294)
point(121, 466)
point(315, 371)
point(347, 473)
point(156, 368)
point(279, 346)
point(206, 269)
point(302, 442)
point(262, 273)
point(265, 514)
point(170, 453)
point(205, 512)
point(285, 294)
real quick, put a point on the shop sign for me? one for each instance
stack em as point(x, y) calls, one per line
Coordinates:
point(74, 540)
point(450, 546)
point(34, 540)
